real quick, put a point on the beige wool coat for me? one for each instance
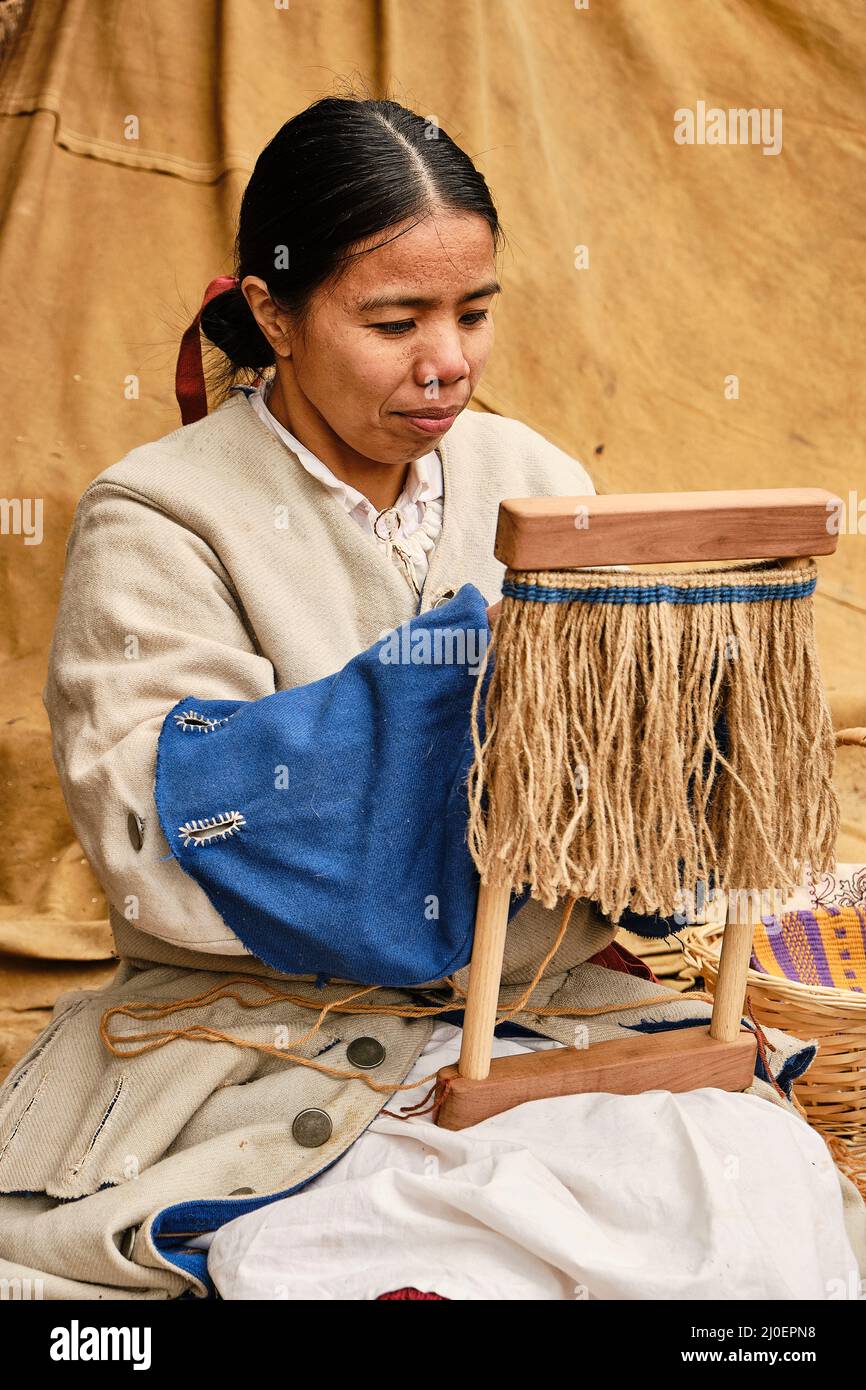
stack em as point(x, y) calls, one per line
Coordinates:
point(211, 562)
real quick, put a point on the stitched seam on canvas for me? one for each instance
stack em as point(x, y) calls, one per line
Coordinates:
point(76, 1167)
point(48, 1036)
point(24, 1113)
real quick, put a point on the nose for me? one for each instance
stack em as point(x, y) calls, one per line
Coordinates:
point(441, 358)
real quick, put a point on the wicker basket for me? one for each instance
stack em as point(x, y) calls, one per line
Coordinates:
point(833, 1090)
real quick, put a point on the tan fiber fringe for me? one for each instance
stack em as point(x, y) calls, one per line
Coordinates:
point(598, 714)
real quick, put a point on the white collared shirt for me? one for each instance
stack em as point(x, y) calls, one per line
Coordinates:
point(409, 530)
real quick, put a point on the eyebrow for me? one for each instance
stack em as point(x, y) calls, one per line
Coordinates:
point(418, 301)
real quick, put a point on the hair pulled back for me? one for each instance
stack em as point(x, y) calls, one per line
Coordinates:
point(342, 171)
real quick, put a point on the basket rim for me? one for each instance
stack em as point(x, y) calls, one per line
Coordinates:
point(698, 950)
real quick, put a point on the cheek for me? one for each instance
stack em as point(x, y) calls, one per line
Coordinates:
point(478, 351)
point(373, 371)
point(345, 386)
point(380, 375)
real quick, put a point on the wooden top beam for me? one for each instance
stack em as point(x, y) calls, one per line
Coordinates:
point(538, 533)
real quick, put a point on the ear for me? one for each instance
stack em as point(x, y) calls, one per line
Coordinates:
point(271, 320)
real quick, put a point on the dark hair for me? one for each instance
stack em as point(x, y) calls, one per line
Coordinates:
point(340, 172)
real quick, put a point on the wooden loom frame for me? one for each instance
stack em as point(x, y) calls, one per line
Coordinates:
point(562, 533)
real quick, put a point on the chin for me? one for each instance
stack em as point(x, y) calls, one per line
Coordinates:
point(388, 452)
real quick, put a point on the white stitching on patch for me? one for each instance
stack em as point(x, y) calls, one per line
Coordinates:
point(201, 832)
point(190, 721)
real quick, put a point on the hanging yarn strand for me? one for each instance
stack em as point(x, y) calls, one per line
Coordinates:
point(643, 732)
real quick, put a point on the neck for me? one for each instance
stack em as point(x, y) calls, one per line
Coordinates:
point(381, 482)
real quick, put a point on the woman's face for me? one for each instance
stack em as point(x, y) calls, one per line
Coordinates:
point(408, 328)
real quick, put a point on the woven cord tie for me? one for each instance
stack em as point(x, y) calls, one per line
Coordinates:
point(155, 1010)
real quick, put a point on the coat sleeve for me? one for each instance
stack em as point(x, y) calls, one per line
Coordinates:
point(327, 823)
point(146, 611)
point(581, 483)
point(551, 456)
point(322, 828)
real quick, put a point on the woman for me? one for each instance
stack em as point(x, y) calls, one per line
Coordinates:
point(263, 794)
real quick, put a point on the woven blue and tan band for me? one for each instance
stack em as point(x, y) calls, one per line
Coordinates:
point(588, 586)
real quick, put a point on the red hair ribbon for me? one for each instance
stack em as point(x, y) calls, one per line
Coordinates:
point(189, 384)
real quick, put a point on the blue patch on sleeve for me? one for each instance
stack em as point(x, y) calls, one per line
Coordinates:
point(327, 823)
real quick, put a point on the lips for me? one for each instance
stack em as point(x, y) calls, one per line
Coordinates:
point(430, 420)
point(427, 425)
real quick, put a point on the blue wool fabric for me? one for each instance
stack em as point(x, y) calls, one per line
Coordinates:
point(327, 823)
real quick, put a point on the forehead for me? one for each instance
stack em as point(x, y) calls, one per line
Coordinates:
point(445, 255)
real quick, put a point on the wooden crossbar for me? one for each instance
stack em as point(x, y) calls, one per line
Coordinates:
point(634, 528)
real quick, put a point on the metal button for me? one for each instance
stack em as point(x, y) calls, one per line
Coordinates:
point(311, 1128)
point(365, 1052)
point(242, 1192)
point(127, 1241)
point(135, 828)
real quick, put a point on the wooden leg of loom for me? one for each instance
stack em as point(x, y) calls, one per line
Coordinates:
point(730, 996)
point(485, 974)
point(677, 1060)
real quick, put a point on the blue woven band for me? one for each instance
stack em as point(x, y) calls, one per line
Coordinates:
point(660, 593)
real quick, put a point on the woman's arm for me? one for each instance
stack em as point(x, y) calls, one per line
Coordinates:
point(327, 822)
point(323, 826)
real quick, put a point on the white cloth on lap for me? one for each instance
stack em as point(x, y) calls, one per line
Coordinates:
point(704, 1195)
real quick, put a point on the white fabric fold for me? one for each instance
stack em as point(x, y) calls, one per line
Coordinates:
point(703, 1195)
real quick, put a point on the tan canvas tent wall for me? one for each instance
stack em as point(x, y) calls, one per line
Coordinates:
point(675, 315)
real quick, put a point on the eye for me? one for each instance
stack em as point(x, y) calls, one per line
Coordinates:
point(396, 327)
